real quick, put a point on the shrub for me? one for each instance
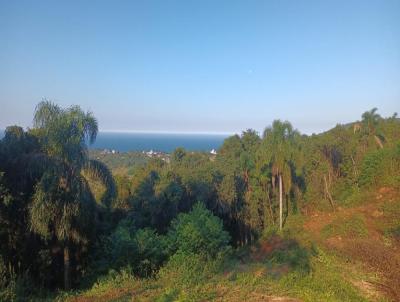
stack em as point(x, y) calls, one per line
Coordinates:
point(185, 270)
point(294, 256)
point(151, 252)
point(199, 245)
point(7, 292)
point(13, 287)
point(143, 250)
point(381, 167)
point(198, 232)
point(185, 277)
point(121, 245)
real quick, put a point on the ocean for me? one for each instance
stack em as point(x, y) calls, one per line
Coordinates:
point(165, 142)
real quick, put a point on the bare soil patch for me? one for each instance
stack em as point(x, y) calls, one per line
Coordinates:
point(373, 252)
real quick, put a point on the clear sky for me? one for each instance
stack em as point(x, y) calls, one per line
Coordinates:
point(201, 66)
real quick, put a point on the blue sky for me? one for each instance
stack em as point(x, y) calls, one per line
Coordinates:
point(201, 66)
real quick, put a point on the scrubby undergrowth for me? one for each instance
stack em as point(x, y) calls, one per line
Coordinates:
point(329, 256)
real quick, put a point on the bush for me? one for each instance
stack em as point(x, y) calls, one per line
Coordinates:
point(294, 256)
point(185, 270)
point(199, 245)
point(143, 250)
point(7, 292)
point(185, 277)
point(13, 287)
point(151, 252)
point(198, 232)
point(381, 167)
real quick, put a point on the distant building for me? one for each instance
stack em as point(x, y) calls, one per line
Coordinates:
point(107, 151)
point(213, 151)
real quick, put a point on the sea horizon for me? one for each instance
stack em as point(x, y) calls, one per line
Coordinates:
point(125, 141)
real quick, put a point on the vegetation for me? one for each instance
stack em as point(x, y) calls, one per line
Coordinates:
point(282, 214)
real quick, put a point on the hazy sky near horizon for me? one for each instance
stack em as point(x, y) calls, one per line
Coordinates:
point(201, 66)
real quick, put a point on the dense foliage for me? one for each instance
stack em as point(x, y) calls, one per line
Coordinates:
point(64, 219)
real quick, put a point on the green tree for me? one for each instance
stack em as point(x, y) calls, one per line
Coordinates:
point(277, 152)
point(178, 154)
point(198, 232)
point(370, 121)
point(20, 159)
point(63, 207)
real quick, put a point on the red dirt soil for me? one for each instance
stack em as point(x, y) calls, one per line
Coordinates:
point(373, 252)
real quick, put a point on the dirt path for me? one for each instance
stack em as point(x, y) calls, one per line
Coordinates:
point(374, 251)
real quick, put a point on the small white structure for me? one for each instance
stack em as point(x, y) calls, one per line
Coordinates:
point(213, 152)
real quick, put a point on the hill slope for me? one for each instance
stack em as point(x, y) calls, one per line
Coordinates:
point(351, 254)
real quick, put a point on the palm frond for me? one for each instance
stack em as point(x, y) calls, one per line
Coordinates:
point(98, 170)
point(91, 127)
point(45, 112)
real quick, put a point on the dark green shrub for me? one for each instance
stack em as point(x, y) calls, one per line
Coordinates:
point(121, 245)
point(371, 166)
point(198, 232)
point(151, 252)
point(143, 250)
point(294, 256)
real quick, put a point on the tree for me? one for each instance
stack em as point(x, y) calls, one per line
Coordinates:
point(63, 207)
point(178, 154)
point(370, 121)
point(231, 187)
point(198, 232)
point(277, 148)
point(19, 173)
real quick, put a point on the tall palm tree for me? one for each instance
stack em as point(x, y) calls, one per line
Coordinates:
point(278, 146)
point(63, 206)
point(370, 120)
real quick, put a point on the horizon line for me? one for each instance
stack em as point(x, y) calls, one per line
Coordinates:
point(167, 132)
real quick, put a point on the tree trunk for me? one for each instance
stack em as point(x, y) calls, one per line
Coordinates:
point(328, 194)
point(280, 202)
point(270, 209)
point(378, 141)
point(354, 166)
point(67, 268)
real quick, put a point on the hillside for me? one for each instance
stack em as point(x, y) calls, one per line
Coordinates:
point(351, 254)
point(274, 217)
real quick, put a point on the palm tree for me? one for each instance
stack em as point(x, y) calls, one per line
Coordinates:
point(63, 207)
point(278, 145)
point(370, 120)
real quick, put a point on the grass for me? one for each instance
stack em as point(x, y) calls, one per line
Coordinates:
point(326, 282)
point(390, 224)
point(354, 226)
point(289, 271)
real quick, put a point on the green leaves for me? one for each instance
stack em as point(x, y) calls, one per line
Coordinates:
point(143, 250)
point(198, 232)
point(370, 120)
point(381, 167)
point(99, 171)
point(65, 132)
point(278, 146)
point(66, 214)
